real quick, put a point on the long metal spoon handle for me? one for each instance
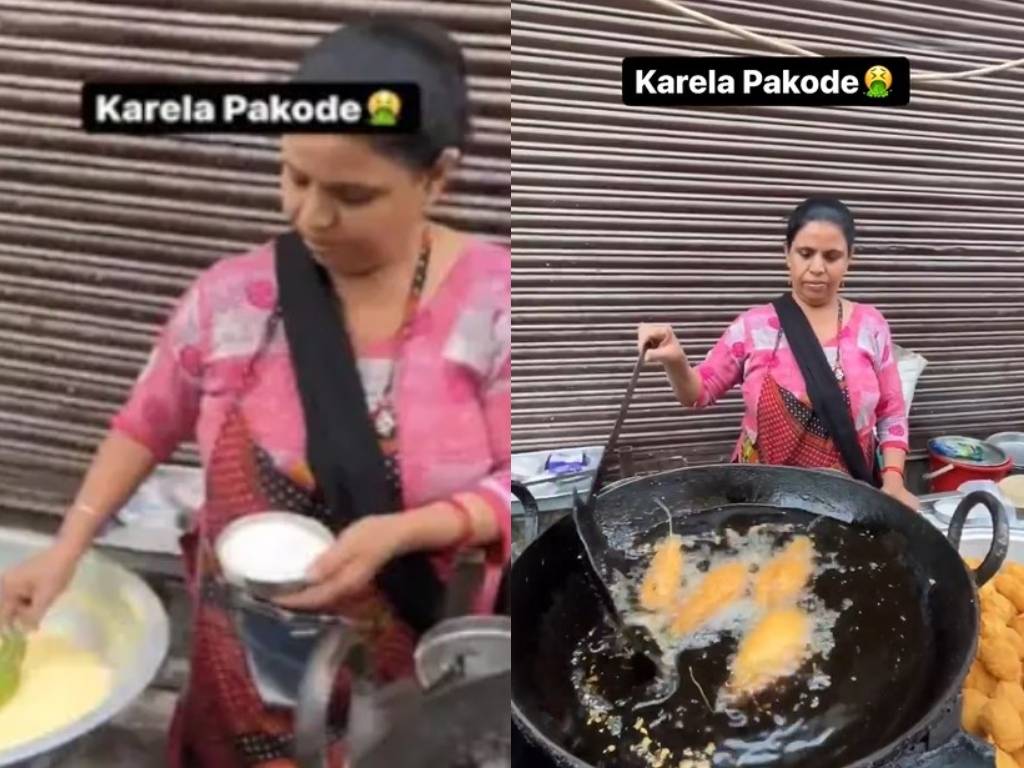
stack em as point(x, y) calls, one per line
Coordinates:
point(613, 438)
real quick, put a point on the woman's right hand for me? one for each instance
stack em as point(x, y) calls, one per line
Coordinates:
point(661, 344)
point(29, 589)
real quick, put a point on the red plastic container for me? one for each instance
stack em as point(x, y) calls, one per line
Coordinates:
point(963, 471)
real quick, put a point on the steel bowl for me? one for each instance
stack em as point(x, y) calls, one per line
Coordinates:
point(263, 588)
point(1012, 443)
point(106, 610)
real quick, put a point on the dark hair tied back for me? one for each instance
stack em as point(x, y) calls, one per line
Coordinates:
point(401, 50)
point(828, 209)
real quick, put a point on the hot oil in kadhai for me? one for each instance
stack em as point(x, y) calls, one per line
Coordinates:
point(851, 697)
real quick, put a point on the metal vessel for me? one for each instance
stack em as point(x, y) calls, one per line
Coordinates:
point(109, 611)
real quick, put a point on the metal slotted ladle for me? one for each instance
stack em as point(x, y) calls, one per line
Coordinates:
point(609, 563)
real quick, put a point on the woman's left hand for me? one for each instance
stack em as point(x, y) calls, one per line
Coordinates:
point(348, 567)
point(893, 486)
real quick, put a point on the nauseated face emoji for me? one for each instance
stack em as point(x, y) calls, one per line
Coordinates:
point(878, 80)
point(384, 107)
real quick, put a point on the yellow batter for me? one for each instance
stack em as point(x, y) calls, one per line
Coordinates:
point(59, 684)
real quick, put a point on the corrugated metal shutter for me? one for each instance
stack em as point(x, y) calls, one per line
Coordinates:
point(99, 235)
point(623, 214)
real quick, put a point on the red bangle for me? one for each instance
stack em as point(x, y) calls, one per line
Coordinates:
point(465, 523)
point(894, 469)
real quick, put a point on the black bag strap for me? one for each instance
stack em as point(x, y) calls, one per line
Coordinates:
point(822, 388)
point(343, 450)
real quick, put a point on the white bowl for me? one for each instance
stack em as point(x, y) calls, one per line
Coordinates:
point(269, 553)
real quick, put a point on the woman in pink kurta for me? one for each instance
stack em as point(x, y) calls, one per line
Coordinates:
point(355, 370)
point(453, 392)
point(753, 348)
point(780, 425)
point(452, 399)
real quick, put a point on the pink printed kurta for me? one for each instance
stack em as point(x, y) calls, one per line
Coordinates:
point(452, 390)
point(743, 355)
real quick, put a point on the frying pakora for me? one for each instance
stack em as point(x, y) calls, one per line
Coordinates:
point(781, 581)
point(664, 577)
point(774, 648)
point(722, 586)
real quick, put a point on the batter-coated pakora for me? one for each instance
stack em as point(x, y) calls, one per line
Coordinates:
point(1002, 722)
point(1000, 659)
point(722, 586)
point(974, 702)
point(782, 580)
point(664, 576)
point(774, 648)
point(1012, 692)
point(1012, 589)
point(979, 679)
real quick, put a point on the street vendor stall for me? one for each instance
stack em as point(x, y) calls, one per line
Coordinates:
point(893, 665)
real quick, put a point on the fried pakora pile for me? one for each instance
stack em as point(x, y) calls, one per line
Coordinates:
point(993, 699)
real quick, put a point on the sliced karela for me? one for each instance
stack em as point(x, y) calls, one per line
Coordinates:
point(12, 654)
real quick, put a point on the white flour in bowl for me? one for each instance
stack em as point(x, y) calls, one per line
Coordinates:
point(273, 550)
